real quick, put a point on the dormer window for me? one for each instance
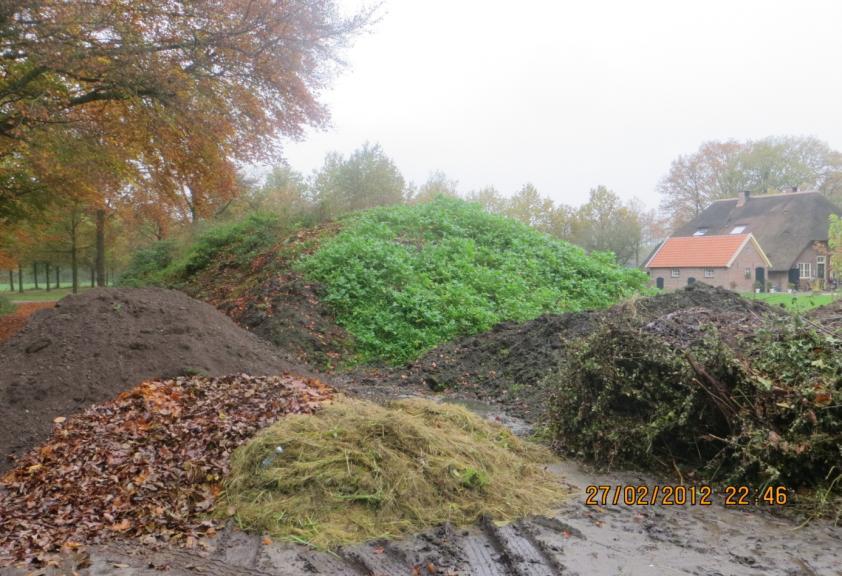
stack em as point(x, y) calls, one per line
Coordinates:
point(700, 232)
point(738, 229)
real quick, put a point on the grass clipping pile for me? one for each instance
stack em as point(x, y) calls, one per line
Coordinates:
point(358, 471)
point(759, 408)
point(147, 464)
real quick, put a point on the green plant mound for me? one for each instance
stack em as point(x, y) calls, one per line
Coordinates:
point(404, 279)
point(356, 471)
point(232, 244)
point(762, 410)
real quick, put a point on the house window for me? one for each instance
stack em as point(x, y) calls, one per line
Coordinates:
point(675, 273)
point(805, 270)
point(748, 273)
point(738, 230)
point(820, 265)
point(708, 272)
point(700, 232)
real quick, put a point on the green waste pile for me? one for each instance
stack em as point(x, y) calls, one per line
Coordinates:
point(760, 408)
point(358, 471)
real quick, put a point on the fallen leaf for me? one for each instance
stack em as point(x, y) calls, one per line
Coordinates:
point(121, 526)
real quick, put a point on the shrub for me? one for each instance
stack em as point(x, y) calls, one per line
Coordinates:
point(244, 239)
point(148, 264)
point(404, 279)
point(767, 413)
point(6, 306)
point(169, 262)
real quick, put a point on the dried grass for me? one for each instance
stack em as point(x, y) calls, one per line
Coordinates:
point(356, 471)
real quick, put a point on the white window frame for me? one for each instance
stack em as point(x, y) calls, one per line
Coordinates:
point(748, 274)
point(700, 232)
point(821, 261)
point(738, 229)
point(805, 267)
point(708, 272)
point(675, 273)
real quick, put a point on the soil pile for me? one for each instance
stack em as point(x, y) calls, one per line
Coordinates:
point(358, 471)
point(509, 362)
point(95, 345)
point(11, 324)
point(287, 311)
point(148, 463)
point(829, 316)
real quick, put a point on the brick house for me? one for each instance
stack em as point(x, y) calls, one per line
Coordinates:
point(788, 245)
point(731, 261)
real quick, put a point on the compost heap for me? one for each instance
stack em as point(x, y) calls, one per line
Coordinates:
point(356, 471)
point(149, 463)
point(759, 407)
point(829, 316)
point(95, 345)
point(510, 362)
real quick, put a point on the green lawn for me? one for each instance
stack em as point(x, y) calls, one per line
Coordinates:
point(39, 295)
point(797, 302)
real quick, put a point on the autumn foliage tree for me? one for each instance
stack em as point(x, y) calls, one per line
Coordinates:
point(187, 89)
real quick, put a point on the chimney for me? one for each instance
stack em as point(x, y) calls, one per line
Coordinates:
point(743, 198)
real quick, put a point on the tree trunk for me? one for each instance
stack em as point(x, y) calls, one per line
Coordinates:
point(100, 247)
point(58, 277)
point(11, 280)
point(47, 275)
point(35, 274)
point(20, 278)
point(74, 262)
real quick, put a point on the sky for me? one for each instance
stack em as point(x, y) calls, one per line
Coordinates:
point(568, 95)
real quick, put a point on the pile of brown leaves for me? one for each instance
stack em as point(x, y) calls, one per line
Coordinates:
point(146, 464)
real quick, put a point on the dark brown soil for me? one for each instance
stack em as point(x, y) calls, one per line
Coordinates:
point(287, 311)
point(11, 324)
point(508, 363)
point(92, 346)
point(830, 316)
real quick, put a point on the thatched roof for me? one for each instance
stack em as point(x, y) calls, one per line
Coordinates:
point(783, 224)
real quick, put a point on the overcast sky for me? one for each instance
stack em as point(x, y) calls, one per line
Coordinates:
point(572, 94)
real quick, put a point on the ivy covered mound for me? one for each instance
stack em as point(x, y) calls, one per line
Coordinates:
point(385, 284)
point(404, 279)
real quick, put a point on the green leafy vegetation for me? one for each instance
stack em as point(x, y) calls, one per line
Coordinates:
point(171, 262)
point(404, 279)
point(768, 412)
point(356, 471)
point(800, 302)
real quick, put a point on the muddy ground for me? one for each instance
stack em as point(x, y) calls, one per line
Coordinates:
point(577, 540)
point(92, 346)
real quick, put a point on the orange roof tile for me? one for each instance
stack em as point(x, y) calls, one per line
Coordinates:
point(698, 251)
